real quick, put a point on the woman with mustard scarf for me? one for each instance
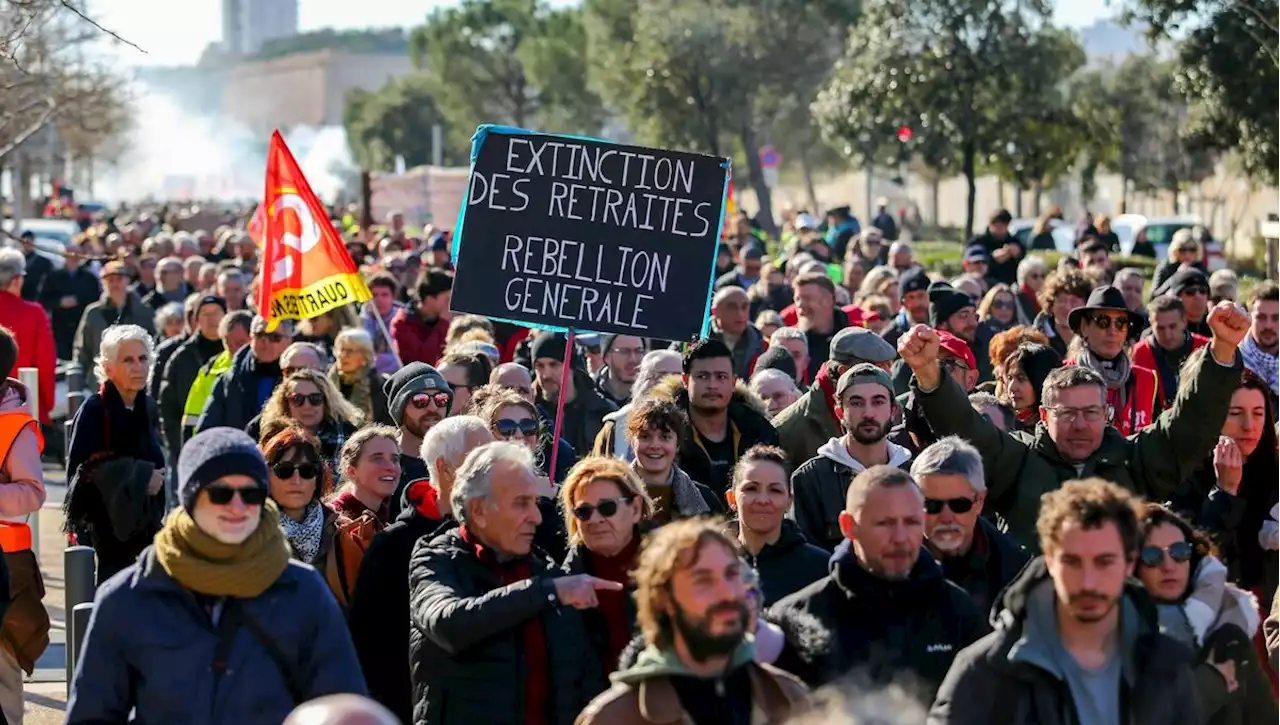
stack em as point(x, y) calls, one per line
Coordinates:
point(214, 623)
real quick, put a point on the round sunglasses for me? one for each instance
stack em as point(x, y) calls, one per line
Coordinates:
point(307, 471)
point(222, 495)
point(422, 400)
point(1153, 556)
point(607, 507)
point(508, 428)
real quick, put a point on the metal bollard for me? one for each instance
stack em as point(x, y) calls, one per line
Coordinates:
point(80, 615)
point(80, 574)
point(30, 378)
point(75, 398)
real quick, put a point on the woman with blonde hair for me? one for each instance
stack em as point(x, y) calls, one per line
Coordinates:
point(307, 398)
point(605, 514)
point(1184, 251)
point(1042, 233)
point(354, 375)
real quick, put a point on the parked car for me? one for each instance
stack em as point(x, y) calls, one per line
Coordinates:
point(52, 236)
point(1159, 231)
point(1064, 235)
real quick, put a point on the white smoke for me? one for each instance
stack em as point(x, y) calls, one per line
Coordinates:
point(175, 153)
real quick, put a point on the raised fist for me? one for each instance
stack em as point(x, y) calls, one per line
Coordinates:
point(1229, 322)
point(919, 347)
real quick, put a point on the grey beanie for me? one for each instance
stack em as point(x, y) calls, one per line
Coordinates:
point(409, 381)
point(213, 454)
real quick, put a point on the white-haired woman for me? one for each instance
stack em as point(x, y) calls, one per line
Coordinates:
point(115, 465)
point(354, 375)
point(170, 320)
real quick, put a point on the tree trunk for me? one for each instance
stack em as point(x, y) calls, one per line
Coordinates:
point(807, 169)
point(1017, 202)
point(764, 199)
point(935, 193)
point(971, 181)
point(1036, 192)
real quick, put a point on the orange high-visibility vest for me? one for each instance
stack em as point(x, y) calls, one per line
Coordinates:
point(15, 536)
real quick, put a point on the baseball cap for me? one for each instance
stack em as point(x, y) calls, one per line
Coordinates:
point(976, 253)
point(858, 344)
point(115, 267)
point(863, 373)
point(957, 347)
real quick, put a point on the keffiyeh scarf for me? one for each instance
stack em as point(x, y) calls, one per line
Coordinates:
point(1262, 363)
point(304, 536)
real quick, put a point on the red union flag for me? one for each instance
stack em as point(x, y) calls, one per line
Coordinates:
point(306, 270)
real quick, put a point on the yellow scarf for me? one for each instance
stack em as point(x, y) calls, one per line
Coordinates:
point(207, 566)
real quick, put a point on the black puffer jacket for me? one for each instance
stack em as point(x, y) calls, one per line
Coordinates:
point(991, 682)
point(178, 374)
point(993, 560)
point(465, 639)
point(748, 425)
point(882, 629)
point(788, 565)
point(379, 609)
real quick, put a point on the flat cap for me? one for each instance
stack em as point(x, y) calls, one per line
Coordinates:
point(858, 344)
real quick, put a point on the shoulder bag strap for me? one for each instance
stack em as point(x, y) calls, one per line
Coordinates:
point(296, 691)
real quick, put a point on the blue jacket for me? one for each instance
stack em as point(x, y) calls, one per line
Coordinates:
point(150, 646)
point(236, 399)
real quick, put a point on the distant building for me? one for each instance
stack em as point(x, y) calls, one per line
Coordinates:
point(304, 89)
point(248, 24)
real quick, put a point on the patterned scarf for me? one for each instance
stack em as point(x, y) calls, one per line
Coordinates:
point(1114, 372)
point(1262, 363)
point(304, 536)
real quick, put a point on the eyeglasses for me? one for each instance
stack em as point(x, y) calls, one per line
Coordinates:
point(1194, 290)
point(607, 507)
point(1106, 322)
point(305, 470)
point(422, 400)
point(1153, 556)
point(933, 506)
point(269, 336)
point(508, 428)
point(298, 399)
point(1092, 414)
point(222, 495)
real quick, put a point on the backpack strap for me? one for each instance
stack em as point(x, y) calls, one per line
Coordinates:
point(233, 615)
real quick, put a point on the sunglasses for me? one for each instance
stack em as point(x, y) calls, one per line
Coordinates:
point(1106, 322)
point(269, 336)
point(222, 495)
point(1194, 290)
point(422, 400)
point(1002, 305)
point(607, 507)
point(933, 506)
point(314, 399)
point(307, 471)
point(508, 428)
point(1153, 556)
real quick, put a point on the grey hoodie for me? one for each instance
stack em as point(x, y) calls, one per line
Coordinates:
point(820, 486)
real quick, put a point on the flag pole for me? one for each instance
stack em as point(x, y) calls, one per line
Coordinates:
point(565, 372)
point(391, 344)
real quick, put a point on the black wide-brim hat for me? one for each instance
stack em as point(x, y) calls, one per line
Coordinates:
point(1106, 298)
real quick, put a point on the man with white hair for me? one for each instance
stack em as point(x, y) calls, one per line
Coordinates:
point(380, 602)
point(494, 631)
point(973, 553)
point(342, 710)
point(776, 388)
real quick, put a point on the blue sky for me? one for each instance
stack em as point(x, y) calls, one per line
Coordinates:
point(174, 32)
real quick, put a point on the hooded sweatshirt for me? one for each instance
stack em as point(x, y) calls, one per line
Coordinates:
point(721, 700)
point(820, 485)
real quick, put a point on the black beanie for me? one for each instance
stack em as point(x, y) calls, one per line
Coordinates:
point(410, 380)
point(913, 280)
point(548, 345)
point(213, 454)
point(945, 302)
point(777, 357)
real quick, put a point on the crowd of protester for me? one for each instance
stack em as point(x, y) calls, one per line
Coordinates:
point(1023, 495)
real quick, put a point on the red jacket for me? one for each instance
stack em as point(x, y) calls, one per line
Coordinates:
point(31, 331)
point(416, 339)
point(1144, 354)
point(857, 318)
point(1143, 398)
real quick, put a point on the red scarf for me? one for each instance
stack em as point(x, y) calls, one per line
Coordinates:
point(827, 385)
point(424, 498)
point(613, 605)
point(1031, 297)
point(537, 682)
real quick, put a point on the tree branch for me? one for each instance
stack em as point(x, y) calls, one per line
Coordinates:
point(67, 4)
point(31, 130)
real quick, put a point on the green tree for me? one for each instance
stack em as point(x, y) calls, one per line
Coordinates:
point(512, 62)
point(392, 41)
point(714, 76)
point(396, 120)
point(1228, 67)
point(959, 72)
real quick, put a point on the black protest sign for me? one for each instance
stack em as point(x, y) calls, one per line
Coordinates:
point(567, 233)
